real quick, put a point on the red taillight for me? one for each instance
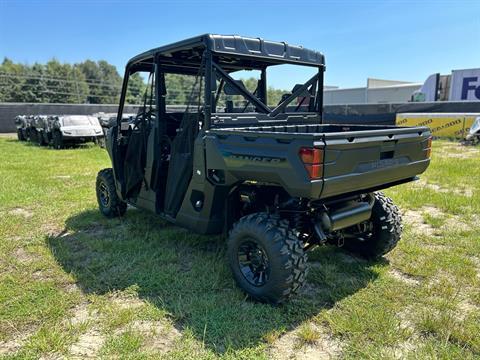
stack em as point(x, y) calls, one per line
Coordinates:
point(312, 158)
point(429, 147)
point(311, 155)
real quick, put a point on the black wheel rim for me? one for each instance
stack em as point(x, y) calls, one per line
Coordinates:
point(253, 263)
point(104, 195)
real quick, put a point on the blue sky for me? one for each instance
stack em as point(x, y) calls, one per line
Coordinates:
point(401, 40)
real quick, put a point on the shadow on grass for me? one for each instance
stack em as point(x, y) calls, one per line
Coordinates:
point(186, 275)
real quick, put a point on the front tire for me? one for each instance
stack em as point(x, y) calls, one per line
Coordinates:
point(20, 135)
point(109, 203)
point(40, 138)
point(33, 135)
point(58, 140)
point(266, 258)
point(385, 230)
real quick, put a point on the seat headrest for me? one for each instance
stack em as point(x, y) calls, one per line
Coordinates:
point(230, 90)
point(303, 93)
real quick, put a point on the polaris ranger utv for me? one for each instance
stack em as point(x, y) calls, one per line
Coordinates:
point(272, 176)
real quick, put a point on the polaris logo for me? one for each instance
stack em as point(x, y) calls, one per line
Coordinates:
point(381, 164)
point(252, 158)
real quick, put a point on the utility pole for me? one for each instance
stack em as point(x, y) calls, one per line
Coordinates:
point(76, 83)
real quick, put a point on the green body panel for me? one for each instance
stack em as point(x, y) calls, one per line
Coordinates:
point(352, 163)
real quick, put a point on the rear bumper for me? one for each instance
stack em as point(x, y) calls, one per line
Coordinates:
point(376, 179)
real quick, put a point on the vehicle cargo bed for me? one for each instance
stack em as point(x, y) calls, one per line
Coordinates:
point(356, 157)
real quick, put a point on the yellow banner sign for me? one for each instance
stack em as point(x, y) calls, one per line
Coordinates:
point(440, 124)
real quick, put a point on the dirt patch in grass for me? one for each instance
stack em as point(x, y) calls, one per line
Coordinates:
point(464, 191)
point(81, 314)
point(455, 223)
point(90, 342)
point(292, 346)
point(465, 155)
point(466, 308)
point(127, 302)
point(457, 151)
point(71, 288)
point(438, 247)
point(476, 262)
point(53, 230)
point(419, 225)
point(88, 345)
point(404, 349)
point(11, 346)
point(22, 256)
point(404, 316)
point(407, 279)
point(451, 223)
point(27, 214)
point(42, 275)
point(416, 220)
point(157, 335)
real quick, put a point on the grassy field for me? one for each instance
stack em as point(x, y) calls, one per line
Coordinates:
point(75, 285)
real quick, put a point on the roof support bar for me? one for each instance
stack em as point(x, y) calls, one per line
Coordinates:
point(259, 105)
point(294, 95)
point(209, 96)
point(319, 104)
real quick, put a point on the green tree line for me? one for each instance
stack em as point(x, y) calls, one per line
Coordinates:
point(92, 82)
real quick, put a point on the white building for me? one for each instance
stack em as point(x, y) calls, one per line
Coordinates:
point(377, 91)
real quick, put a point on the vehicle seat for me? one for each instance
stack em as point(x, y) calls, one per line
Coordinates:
point(229, 106)
point(284, 97)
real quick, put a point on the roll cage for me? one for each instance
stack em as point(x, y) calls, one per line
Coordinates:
point(216, 57)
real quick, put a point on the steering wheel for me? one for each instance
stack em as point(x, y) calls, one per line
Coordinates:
point(142, 115)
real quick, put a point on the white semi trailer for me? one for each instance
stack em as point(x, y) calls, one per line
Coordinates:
point(460, 85)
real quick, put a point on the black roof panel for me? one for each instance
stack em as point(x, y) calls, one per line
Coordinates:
point(239, 46)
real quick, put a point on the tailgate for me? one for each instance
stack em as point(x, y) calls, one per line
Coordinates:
point(362, 160)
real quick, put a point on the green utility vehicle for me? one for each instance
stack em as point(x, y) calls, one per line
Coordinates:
point(41, 126)
point(271, 176)
point(21, 125)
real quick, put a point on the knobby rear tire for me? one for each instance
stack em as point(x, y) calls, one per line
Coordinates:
point(387, 230)
point(286, 258)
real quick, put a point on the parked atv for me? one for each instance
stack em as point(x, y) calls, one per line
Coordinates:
point(40, 125)
point(274, 179)
point(21, 125)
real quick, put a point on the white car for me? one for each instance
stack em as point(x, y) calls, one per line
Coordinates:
point(74, 129)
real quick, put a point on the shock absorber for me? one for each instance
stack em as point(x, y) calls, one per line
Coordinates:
point(301, 222)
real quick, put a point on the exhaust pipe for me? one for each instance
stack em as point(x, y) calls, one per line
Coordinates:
point(351, 214)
